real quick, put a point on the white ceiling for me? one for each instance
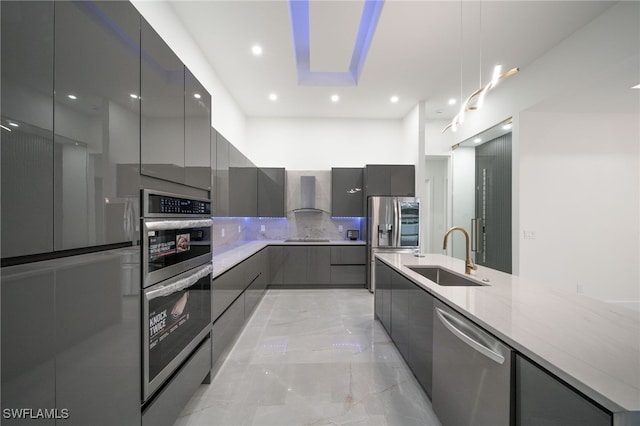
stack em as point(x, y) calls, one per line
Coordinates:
point(417, 52)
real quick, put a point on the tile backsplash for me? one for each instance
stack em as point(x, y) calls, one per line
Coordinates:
point(314, 225)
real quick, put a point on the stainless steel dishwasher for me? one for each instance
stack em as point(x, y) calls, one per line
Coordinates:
point(471, 373)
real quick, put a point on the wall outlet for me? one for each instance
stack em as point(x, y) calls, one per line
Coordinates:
point(340, 228)
point(579, 288)
point(529, 235)
point(263, 228)
point(239, 229)
point(222, 232)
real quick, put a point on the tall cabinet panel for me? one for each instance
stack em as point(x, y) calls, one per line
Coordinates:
point(27, 128)
point(197, 128)
point(98, 338)
point(97, 111)
point(162, 109)
point(28, 339)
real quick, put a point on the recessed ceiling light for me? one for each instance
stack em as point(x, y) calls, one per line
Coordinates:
point(74, 97)
point(197, 95)
point(133, 96)
point(335, 98)
point(477, 140)
point(452, 101)
point(394, 99)
point(273, 97)
point(637, 86)
point(256, 50)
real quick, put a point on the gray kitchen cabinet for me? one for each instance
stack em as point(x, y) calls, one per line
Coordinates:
point(28, 338)
point(382, 295)
point(97, 331)
point(348, 265)
point(276, 267)
point(69, 325)
point(542, 399)
point(390, 179)
point(271, 190)
point(306, 265)
point(197, 133)
point(95, 74)
point(294, 265)
point(221, 206)
point(162, 108)
point(420, 358)
point(347, 189)
point(319, 261)
point(243, 191)
point(257, 272)
point(27, 187)
point(225, 330)
point(226, 288)
point(213, 151)
point(400, 289)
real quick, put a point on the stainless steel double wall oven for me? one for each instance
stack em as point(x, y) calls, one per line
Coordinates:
point(176, 281)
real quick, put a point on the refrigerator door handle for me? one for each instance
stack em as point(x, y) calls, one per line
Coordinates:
point(396, 231)
point(445, 317)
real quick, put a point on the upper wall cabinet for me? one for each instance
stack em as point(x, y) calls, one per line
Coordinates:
point(97, 116)
point(271, 190)
point(175, 116)
point(221, 189)
point(162, 108)
point(347, 187)
point(197, 137)
point(27, 128)
point(386, 179)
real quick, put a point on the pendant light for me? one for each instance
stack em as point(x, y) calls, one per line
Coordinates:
point(475, 101)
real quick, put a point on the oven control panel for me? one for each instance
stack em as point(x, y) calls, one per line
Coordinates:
point(176, 206)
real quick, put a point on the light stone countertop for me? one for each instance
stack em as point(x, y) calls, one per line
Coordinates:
point(592, 345)
point(225, 258)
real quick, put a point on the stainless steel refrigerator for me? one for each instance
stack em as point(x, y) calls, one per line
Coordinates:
point(393, 225)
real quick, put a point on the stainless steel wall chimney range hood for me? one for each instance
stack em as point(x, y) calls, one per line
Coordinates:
point(306, 191)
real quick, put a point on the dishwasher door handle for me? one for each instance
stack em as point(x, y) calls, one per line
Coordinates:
point(488, 352)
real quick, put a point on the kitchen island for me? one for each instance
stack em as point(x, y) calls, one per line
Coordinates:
point(592, 346)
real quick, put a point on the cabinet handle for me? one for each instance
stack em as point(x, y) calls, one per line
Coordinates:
point(488, 352)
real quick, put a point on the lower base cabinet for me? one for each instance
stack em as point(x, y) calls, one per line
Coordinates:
point(167, 406)
point(225, 331)
point(382, 295)
point(541, 399)
point(421, 337)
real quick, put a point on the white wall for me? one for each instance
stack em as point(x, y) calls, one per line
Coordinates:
point(582, 202)
point(319, 144)
point(226, 116)
point(571, 138)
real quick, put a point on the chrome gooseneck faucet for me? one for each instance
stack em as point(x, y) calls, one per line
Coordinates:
point(468, 263)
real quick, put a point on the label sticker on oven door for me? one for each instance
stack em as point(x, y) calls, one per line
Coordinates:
point(183, 242)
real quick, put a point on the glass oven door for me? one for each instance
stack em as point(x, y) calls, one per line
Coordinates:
point(177, 316)
point(170, 247)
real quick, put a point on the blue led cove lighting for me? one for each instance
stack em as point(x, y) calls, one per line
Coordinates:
point(299, 10)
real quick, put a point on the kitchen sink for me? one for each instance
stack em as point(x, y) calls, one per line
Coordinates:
point(443, 277)
point(307, 240)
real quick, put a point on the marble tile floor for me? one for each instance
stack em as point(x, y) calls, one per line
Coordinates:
point(312, 357)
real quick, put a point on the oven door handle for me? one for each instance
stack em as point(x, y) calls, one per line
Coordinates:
point(158, 225)
point(174, 286)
